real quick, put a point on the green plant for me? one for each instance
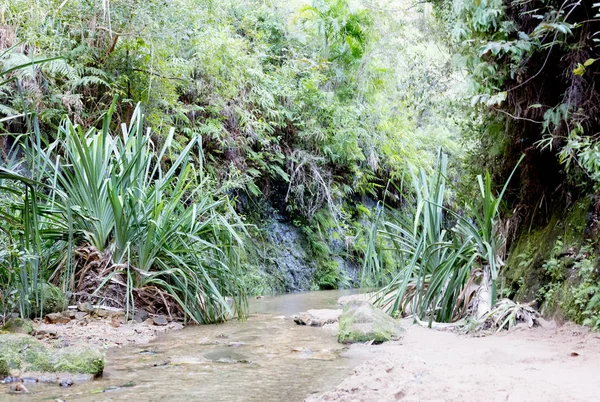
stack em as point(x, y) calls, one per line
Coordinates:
point(584, 305)
point(444, 275)
point(20, 258)
point(135, 230)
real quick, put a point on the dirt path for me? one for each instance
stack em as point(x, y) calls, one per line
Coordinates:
point(522, 365)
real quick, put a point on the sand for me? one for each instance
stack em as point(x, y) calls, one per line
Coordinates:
point(521, 365)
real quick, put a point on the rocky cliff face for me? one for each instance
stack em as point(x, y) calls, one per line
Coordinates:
point(290, 258)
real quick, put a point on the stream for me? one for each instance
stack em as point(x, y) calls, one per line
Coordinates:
point(265, 358)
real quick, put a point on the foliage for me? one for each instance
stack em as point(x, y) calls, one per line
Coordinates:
point(444, 274)
point(531, 67)
point(124, 227)
point(311, 109)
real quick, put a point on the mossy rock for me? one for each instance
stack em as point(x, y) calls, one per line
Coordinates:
point(18, 326)
point(22, 353)
point(361, 322)
point(78, 360)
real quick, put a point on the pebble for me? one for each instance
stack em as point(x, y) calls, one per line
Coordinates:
point(160, 320)
point(55, 318)
point(19, 388)
point(66, 383)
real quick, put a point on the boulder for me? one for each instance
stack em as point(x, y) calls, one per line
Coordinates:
point(24, 354)
point(317, 318)
point(18, 326)
point(361, 322)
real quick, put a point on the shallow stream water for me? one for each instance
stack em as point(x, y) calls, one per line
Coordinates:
point(265, 358)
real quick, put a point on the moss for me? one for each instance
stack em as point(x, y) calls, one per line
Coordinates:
point(540, 261)
point(24, 353)
point(361, 322)
point(83, 361)
point(18, 326)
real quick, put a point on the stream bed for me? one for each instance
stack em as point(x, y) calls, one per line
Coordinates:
point(265, 358)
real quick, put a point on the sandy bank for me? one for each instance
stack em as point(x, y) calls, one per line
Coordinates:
point(521, 365)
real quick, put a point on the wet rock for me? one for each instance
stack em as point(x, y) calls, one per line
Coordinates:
point(291, 263)
point(160, 320)
point(77, 360)
point(317, 318)
point(226, 356)
point(18, 326)
point(361, 322)
point(66, 383)
point(22, 354)
point(56, 318)
point(9, 380)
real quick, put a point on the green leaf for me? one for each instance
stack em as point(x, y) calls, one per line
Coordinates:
point(589, 62)
point(580, 70)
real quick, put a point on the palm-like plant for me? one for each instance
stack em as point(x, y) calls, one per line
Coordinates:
point(444, 275)
point(19, 258)
point(140, 232)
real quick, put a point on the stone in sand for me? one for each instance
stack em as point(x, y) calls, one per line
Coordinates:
point(361, 322)
point(317, 318)
point(56, 318)
point(160, 320)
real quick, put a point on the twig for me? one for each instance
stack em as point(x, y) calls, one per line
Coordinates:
point(518, 118)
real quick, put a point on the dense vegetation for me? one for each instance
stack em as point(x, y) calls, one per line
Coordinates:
point(147, 146)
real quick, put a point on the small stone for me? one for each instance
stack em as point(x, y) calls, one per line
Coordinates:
point(140, 315)
point(149, 321)
point(160, 320)
point(105, 311)
point(55, 318)
point(101, 312)
point(66, 383)
point(19, 388)
point(80, 315)
point(317, 318)
point(176, 326)
point(85, 307)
